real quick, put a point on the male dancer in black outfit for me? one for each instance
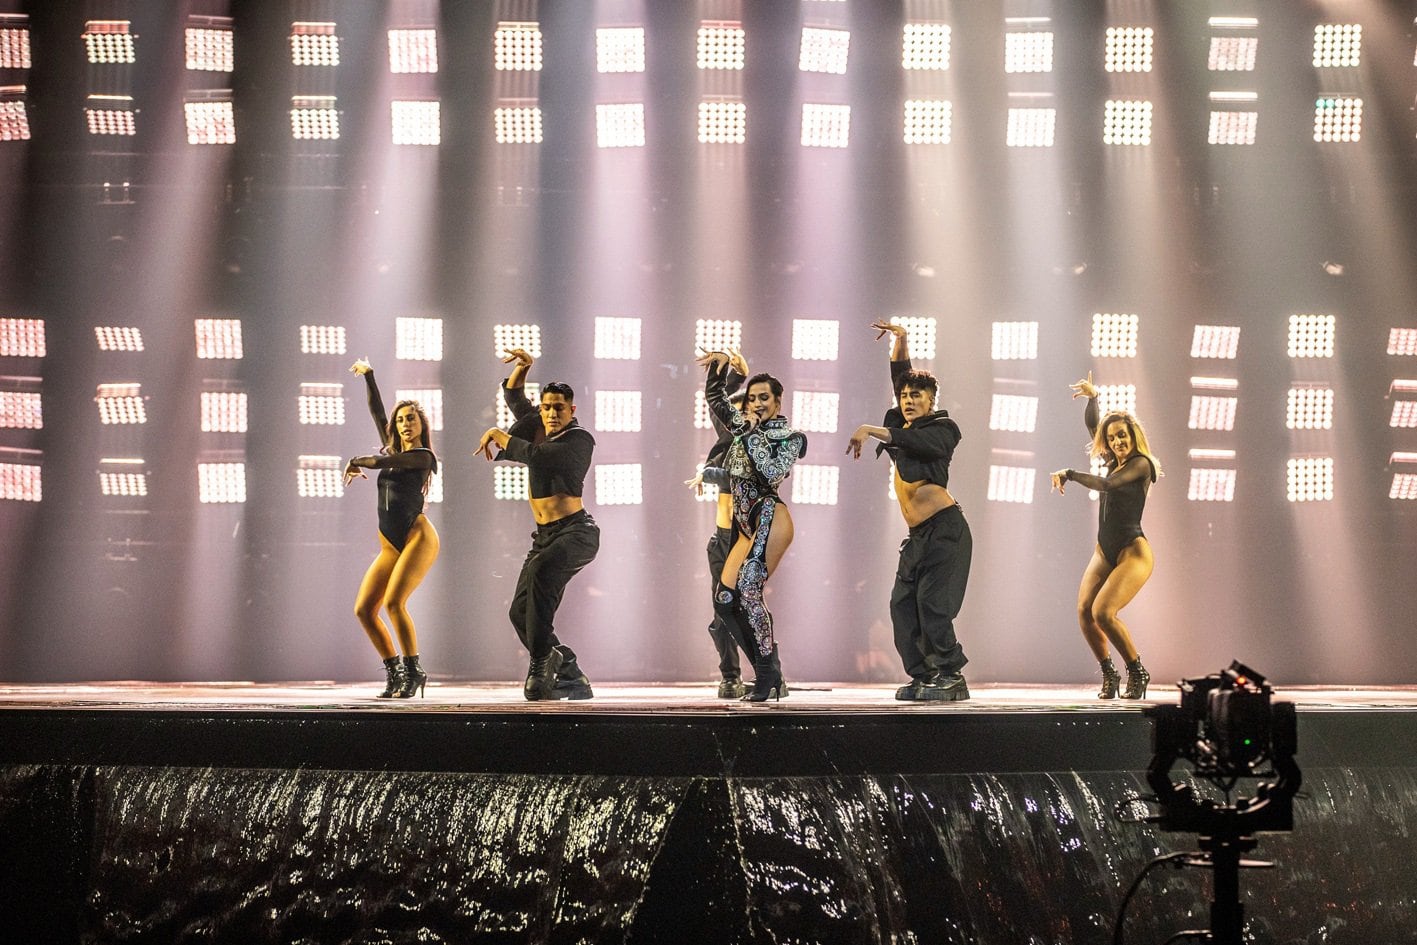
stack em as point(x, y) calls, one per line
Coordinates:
point(934, 559)
point(557, 452)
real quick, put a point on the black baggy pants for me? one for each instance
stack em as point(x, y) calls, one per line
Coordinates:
point(559, 550)
point(929, 590)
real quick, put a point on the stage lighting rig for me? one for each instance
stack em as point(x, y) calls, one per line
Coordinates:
point(1229, 729)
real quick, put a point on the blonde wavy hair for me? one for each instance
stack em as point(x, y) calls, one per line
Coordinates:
point(1100, 450)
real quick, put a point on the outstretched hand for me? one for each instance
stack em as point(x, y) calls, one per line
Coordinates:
point(362, 366)
point(517, 356)
point(883, 327)
point(1084, 388)
point(1060, 479)
point(351, 471)
point(737, 362)
point(714, 360)
point(858, 440)
point(488, 441)
point(697, 484)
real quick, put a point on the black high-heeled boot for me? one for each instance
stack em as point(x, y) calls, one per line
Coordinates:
point(1111, 679)
point(1137, 678)
point(414, 678)
point(393, 667)
point(767, 682)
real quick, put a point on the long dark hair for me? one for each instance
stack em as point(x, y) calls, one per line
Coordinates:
point(392, 443)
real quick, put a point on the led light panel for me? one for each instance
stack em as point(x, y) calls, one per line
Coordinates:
point(221, 483)
point(618, 484)
point(518, 124)
point(321, 404)
point(21, 482)
point(1014, 341)
point(416, 123)
point(322, 339)
point(928, 121)
point(21, 410)
point(617, 339)
point(1114, 335)
point(617, 411)
point(413, 51)
point(815, 339)
point(314, 44)
point(814, 485)
point(319, 477)
point(1015, 413)
point(1028, 51)
point(418, 339)
point(722, 121)
point(516, 338)
point(121, 404)
point(218, 338)
point(1011, 484)
point(1031, 127)
point(925, 47)
point(210, 122)
point(224, 411)
point(22, 337)
point(1128, 49)
point(517, 47)
point(620, 125)
point(620, 49)
point(1309, 479)
point(721, 46)
point(815, 411)
point(1127, 122)
point(1211, 485)
point(826, 126)
point(1312, 336)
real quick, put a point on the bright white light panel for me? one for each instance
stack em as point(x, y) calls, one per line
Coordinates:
point(1404, 486)
point(1211, 485)
point(815, 339)
point(122, 477)
point(723, 121)
point(111, 115)
point(22, 337)
point(210, 122)
point(14, 121)
point(825, 126)
point(314, 118)
point(718, 334)
point(434, 495)
point(701, 412)
point(1129, 49)
point(1114, 335)
point(1116, 397)
point(824, 50)
point(505, 419)
point(511, 483)
point(21, 482)
point(1404, 414)
point(1309, 408)
point(221, 483)
point(1311, 336)
point(815, 411)
point(1028, 51)
point(925, 47)
point(109, 42)
point(121, 404)
point(21, 410)
point(1309, 479)
point(618, 411)
point(322, 339)
point(1232, 53)
point(928, 121)
point(416, 122)
point(314, 44)
point(617, 338)
point(1014, 341)
point(618, 484)
point(620, 49)
point(1402, 341)
point(118, 338)
point(218, 338)
point(1215, 341)
point(321, 404)
point(1013, 412)
point(620, 125)
point(517, 47)
point(418, 339)
point(516, 338)
point(15, 48)
point(1031, 127)
point(429, 398)
point(1338, 118)
point(814, 485)
point(919, 335)
point(1338, 45)
point(413, 51)
point(518, 124)
point(319, 477)
point(1237, 128)
point(1011, 484)
point(210, 50)
point(1212, 413)
point(224, 411)
point(721, 46)
point(1127, 122)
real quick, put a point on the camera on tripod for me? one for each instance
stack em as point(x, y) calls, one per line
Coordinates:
point(1228, 727)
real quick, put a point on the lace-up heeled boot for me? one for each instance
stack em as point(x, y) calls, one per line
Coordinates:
point(415, 679)
point(393, 668)
point(1111, 679)
point(1137, 678)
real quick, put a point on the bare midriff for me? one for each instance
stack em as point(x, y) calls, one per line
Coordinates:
point(920, 500)
point(553, 508)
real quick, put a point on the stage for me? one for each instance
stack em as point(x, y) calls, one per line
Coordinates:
point(314, 812)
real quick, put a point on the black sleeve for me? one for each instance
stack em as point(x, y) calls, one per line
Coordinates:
point(517, 401)
point(1090, 416)
point(931, 441)
point(376, 407)
point(731, 419)
point(419, 458)
point(717, 476)
point(1138, 467)
point(898, 370)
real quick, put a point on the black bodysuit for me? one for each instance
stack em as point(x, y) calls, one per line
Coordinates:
point(1123, 495)
point(403, 477)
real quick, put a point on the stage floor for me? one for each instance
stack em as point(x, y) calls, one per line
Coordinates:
point(632, 698)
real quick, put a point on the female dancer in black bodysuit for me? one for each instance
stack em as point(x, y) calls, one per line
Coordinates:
point(1122, 561)
point(408, 545)
point(761, 455)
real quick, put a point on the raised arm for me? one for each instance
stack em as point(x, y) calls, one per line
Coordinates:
point(716, 364)
point(1090, 414)
point(513, 388)
point(376, 402)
